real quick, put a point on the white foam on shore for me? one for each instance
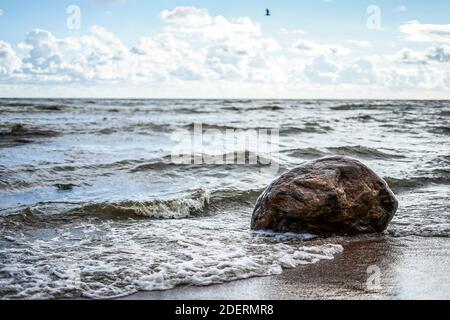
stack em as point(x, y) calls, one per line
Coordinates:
point(109, 260)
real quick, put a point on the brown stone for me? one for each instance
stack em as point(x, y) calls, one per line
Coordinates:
point(330, 196)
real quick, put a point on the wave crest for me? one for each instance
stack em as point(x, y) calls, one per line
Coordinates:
point(184, 207)
point(198, 203)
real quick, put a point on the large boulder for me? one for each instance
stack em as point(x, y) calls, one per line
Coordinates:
point(330, 196)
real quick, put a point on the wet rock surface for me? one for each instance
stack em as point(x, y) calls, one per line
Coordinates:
point(330, 196)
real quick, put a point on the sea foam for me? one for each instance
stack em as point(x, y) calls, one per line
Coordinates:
point(108, 259)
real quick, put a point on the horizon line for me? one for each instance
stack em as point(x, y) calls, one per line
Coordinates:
point(147, 98)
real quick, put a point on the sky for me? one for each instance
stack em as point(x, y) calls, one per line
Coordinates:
point(385, 49)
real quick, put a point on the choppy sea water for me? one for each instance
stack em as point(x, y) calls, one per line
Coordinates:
point(92, 206)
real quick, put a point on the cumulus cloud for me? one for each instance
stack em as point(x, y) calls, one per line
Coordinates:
point(195, 49)
point(419, 32)
point(9, 62)
point(43, 52)
point(187, 16)
point(193, 46)
point(409, 56)
point(361, 71)
point(422, 78)
point(197, 24)
point(230, 48)
point(435, 54)
point(326, 71)
point(321, 70)
point(97, 55)
point(312, 48)
point(439, 53)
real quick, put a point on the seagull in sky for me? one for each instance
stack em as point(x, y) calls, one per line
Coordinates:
point(267, 12)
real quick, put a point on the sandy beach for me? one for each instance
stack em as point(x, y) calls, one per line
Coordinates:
point(411, 268)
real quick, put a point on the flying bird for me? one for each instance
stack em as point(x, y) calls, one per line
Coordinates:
point(267, 12)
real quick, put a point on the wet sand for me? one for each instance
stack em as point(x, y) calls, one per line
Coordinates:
point(410, 268)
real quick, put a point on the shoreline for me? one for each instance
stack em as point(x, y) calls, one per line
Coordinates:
point(410, 268)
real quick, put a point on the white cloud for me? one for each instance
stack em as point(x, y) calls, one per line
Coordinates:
point(419, 32)
point(187, 16)
point(409, 56)
point(435, 54)
point(9, 62)
point(422, 78)
point(194, 46)
point(361, 71)
point(321, 70)
point(43, 55)
point(312, 48)
point(439, 53)
point(193, 22)
point(222, 56)
point(1, 12)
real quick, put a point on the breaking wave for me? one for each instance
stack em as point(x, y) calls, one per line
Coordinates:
point(370, 105)
point(364, 152)
point(307, 153)
point(20, 107)
point(354, 151)
point(189, 206)
point(406, 184)
point(256, 108)
point(18, 134)
point(196, 204)
point(238, 158)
